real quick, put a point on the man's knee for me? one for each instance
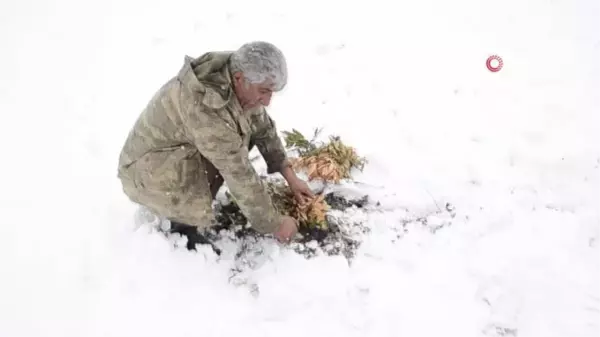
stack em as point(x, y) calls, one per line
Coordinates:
point(195, 210)
point(181, 206)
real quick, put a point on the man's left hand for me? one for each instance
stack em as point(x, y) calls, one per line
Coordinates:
point(301, 190)
point(298, 186)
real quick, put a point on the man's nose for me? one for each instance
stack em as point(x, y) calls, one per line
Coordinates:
point(265, 99)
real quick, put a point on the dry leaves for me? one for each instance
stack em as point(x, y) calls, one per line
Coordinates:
point(313, 213)
point(329, 162)
point(318, 167)
point(309, 214)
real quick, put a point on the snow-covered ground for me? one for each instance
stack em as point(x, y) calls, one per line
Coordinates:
point(517, 153)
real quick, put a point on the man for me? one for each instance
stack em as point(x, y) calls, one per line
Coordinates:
point(196, 132)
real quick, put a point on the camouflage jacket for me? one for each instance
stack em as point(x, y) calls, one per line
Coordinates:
point(198, 109)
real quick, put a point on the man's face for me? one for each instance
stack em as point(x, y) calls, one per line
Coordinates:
point(252, 95)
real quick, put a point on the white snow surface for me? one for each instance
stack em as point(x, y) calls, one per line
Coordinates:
point(516, 152)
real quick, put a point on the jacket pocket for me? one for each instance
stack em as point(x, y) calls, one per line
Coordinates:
point(169, 169)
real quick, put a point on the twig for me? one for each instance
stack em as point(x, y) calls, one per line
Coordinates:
point(316, 134)
point(435, 202)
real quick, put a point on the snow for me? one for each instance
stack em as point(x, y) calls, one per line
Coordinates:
point(517, 153)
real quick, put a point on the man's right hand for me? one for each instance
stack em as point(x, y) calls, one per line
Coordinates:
point(286, 229)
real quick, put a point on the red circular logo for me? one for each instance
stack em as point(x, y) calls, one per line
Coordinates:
point(497, 67)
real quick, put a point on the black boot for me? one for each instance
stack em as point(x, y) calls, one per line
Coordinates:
point(193, 235)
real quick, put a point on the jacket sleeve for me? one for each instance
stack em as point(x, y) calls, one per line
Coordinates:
point(221, 144)
point(268, 142)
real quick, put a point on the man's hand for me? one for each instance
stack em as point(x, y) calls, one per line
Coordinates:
point(301, 190)
point(298, 186)
point(286, 229)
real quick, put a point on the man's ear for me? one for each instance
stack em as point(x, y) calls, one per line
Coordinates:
point(238, 78)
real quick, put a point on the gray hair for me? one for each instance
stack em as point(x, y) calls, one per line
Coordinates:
point(260, 61)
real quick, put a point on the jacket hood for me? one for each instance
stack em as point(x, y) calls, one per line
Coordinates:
point(212, 68)
point(209, 74)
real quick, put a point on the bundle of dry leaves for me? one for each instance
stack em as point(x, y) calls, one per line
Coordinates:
point(309, 214)
point(330, 162)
